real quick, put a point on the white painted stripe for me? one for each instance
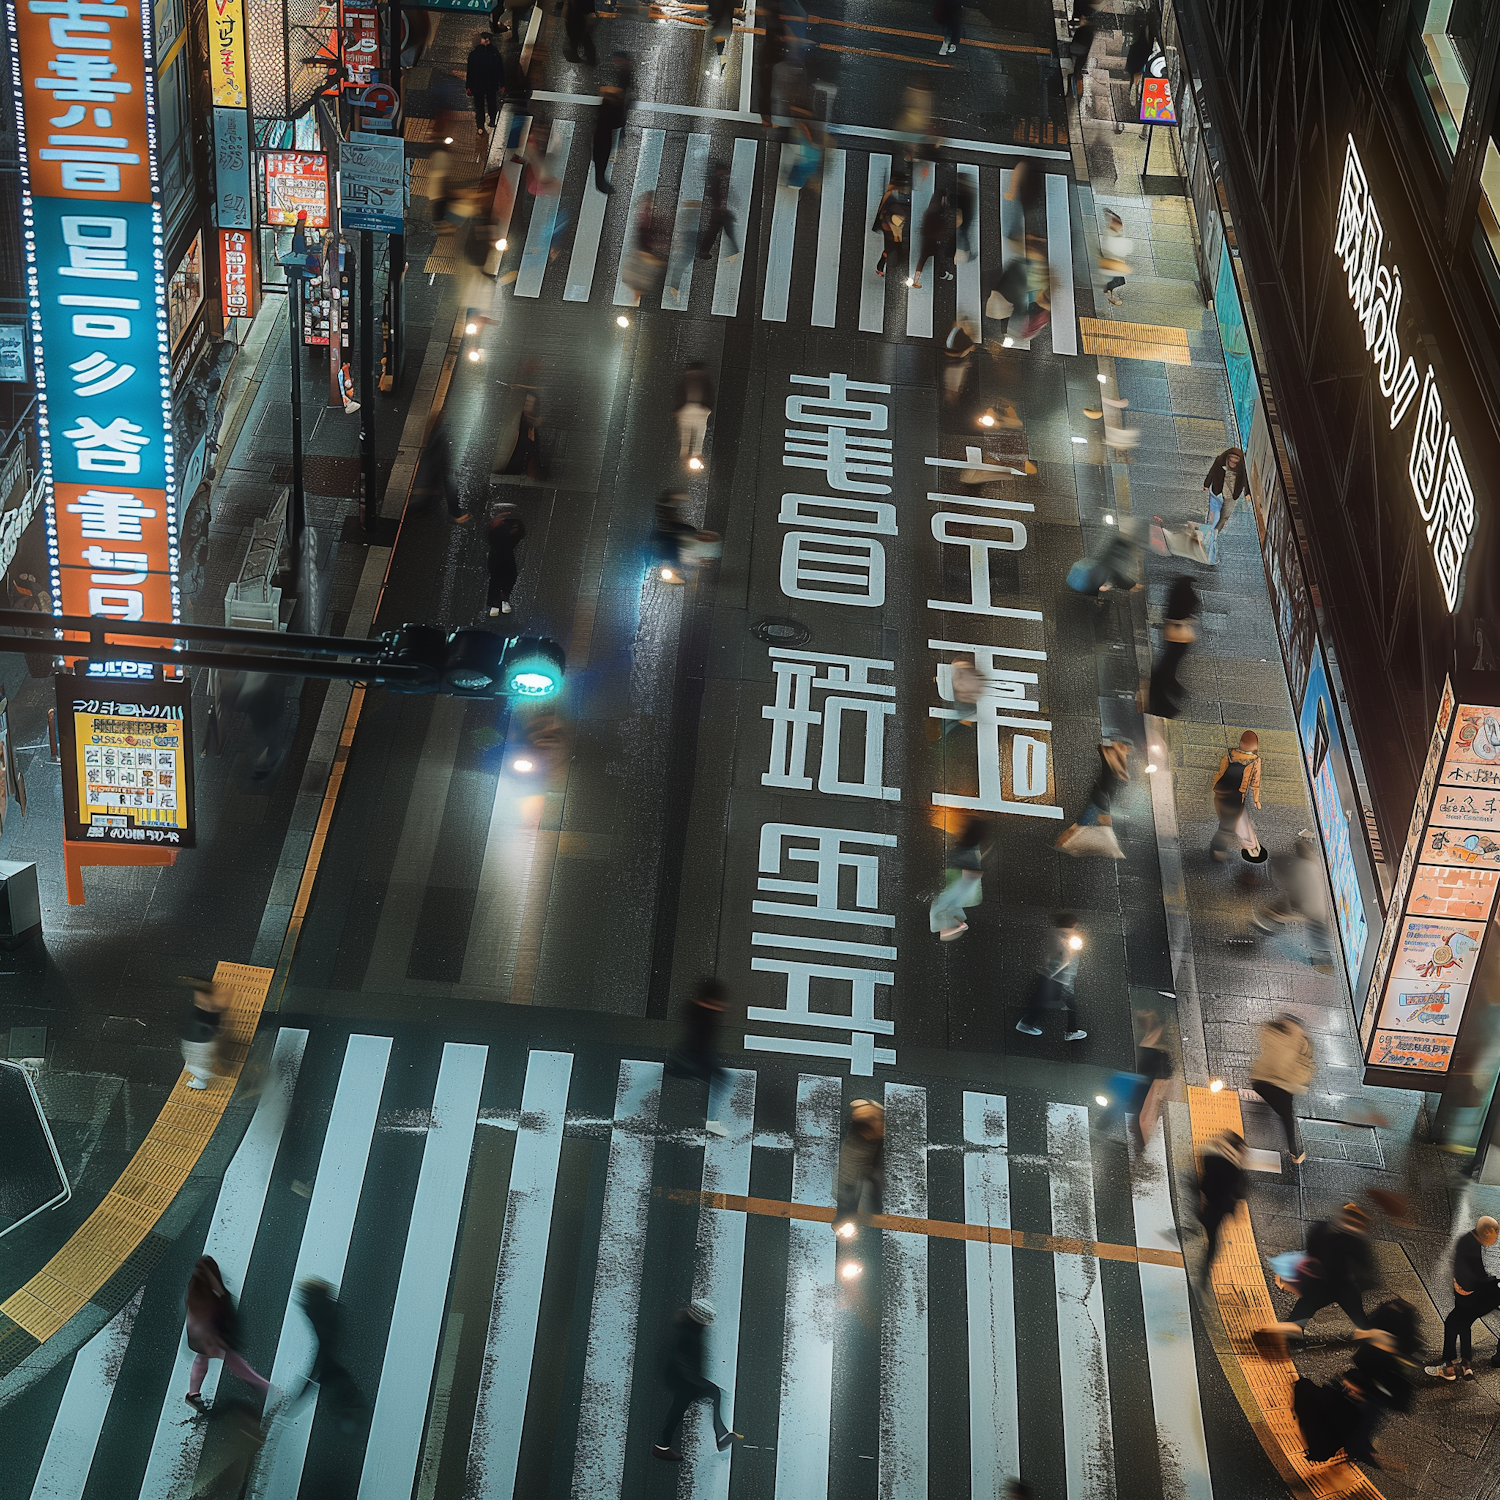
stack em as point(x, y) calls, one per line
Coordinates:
point(1012, 248)
point(1180, 1438)
point(1088, 1439)
point(323, 1253)
point(74, 1438)
point(720, 1277)
point(779, 250)
point(647, 165)
point(1060, 257)
point(390, 1466)
point(970, 276)
point(609, 1361)
point(534, 260)
point(511, 172)
point(231, 1239)
point(811, 1299)
point(904, 1324)
point(994, 1423)
point(585, 254)
point(731, 266)
point(675, 294)
point(919, 299)
point(510, 1344)
point(528, 42)
point(825, 303)
point(871, 286)
point(747, 60)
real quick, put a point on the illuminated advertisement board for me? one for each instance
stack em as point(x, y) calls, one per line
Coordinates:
point(296, 182)
point(127, 762)
point(83, 74)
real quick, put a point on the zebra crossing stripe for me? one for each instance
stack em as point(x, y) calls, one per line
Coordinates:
point(85, 1404)
point(322, 1254)
point(1088, 1438)
point(970, 276)
point(585, 254)
point(1012, 239)
point(805, 1422)
point(1060, 259)
point(994, 1422)
point(919, 298)
point(825, 303)
point(779, 249)
point(719, 1276)
point(543, 226)
point(647, 167)
point(390, 1465)
point(872, 286)
point(510, 1344)
point(609, 1360)
point(679, 284)
point(904, 1319)
point(1169, 1335)
point(731, 266)
point(178, 1443)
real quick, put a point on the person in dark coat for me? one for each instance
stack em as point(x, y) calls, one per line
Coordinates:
point(684, 1373)
point(213, 1331)
point(507, 532)
point(949, 14)
point(609, 121)
point(526, 456)
point(1221, 1188)
point(1475, 1293)
point(718, 217)
point(938, 238)
point(200, 1031)
point(1339, 1268)
point(483, 75)
point(578, 28)
point(1166, 694)
point(517, 86)
point(892, 220)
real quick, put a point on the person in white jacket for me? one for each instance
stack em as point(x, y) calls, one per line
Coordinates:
point(1283, 1069)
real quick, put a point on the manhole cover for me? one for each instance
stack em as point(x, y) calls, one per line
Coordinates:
point(778, 630)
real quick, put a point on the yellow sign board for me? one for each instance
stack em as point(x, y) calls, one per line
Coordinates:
point(226, 52)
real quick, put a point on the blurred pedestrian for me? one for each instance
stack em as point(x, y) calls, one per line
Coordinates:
point(579, 20)
point(443, 467)
point(1052, 986)
point(718, 217)
point(892, 220)
point(968, 685)
point(1475, 1293)
point(698, 1054)
point(937, 239)
point(771, 48)
point(200, 1031)
point(672, 532)
point(800, 154)
point(1236, 784)
point(861, 1165)
point(1079, 46)
point(686, 1380)
point(949, 14)
point(645, 260)
point(1337, 1267)
point(440, 183)
point(1113, 248)
point(1142, 44)
point(518, 15)
point(965, 865)
point(915, 118)
point(517, 92)
point(526, 453)
point(1304, 900)
point(1094, 833)
point(484, 73)
point(956, 359)
point(609, 121)
point(622, 69)
point(964, 218)
point(695, 404)
point(212, 1331)
point(1221, 1188)
point(507, 532)
point(338, 1395)
point(1283, 1068)
point(1166, 694)
point(1223, 486)
point(1387, 1357)
point(720, 28)
point(263, 698)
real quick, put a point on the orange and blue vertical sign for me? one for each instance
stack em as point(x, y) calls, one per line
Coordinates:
point(83, 75)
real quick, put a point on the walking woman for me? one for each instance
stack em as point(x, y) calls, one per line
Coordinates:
point(1223, 485)
point(212, 1331)
point(1237, 781)
point(892, 220)
point(507, 532)
point(1282, 1069)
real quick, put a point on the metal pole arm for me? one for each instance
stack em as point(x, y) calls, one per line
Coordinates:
point(97, 627)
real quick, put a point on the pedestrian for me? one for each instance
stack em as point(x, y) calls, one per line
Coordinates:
point(967, 685)
point(262, 696)
point(768, 53)
point(688, 1383)
point(337, 1391)
point(1113, 248)
point(671, 533)
point(892, 220)
point(1304, 900)
point(1283, 1068)
point(718, 217)
point(1052, 986)
point(962, 890)
point(609, 121)
point(937, 240)
point(949, 14)
point(964, 210)
point(1153, 1062)
point(1142, 44)
point(442, 466)
point(1475, 1293)
point(439, 184)
point(1387, 1358)
point(1337, 1267)
point(622, 69)
point(517, 92)
point(800, 154)
point(915, 118)
point(212, 1331)
point(956, 359)
point(1223, 486)
point(1094, 833)
point(1079, 47)
point(579, 19)
point(720, 28)
point(1221, 1189)
point(695, 404)
point(861, 1165)
point(1235, 785)
point(1165, 694)
point(200, 1031)
point(484, 73)
point(644, 263)
point(518, 14)
point(697, 1057)
point(507, 532)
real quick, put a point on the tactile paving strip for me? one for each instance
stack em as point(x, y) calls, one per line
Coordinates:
point(1135, 340)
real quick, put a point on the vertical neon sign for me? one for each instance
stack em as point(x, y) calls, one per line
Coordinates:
point(83, 73)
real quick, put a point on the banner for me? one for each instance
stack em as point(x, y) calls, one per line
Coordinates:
point(226, 52)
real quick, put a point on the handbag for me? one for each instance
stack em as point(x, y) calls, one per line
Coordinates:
point(997, 305)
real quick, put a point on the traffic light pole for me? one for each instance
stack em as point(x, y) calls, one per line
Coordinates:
point(370, 508)
point(297, 510)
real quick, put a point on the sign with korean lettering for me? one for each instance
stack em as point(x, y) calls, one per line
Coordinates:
point(296, 182)
point(93, 236)
point(226, 52)
point(372, 185)
point(127, 761)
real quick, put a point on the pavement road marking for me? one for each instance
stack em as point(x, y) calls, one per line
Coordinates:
point(970, 277)
point(902, 1464)
point(609, 1361)
point(390, 1465)
point(994, 1421)
point(919, 298)
point(732, 264)
point(1060, 259)
point(543, 226)
point(779, 252)
point(679, 285)
point(872, 285)
point(647, 166)
point(1012, 248)
point(510, 1344)
point(825, 303)
point(585, 254)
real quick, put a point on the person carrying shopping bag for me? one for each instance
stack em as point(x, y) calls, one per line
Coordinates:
point(1235, 784)
point(1223, 486)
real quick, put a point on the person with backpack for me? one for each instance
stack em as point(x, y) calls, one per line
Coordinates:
point(1235, 784)
point(1475, 1293)
point(1338, 1267)
point(892, 220)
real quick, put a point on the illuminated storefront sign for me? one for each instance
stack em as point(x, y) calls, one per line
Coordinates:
point(1435, 468)
point(226, 52)
point(84, 77)
point(296, 182)
point(237, 273)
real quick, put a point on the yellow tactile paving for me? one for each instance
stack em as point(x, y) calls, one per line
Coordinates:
point(1157, 341)
point(1245, 1306)
point(157, 1171)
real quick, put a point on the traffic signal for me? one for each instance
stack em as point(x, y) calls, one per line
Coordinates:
point(473, 663)
point(533, 667)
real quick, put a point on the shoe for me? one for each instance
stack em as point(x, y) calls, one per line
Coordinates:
point(1115, 297)
point(505, 608)
point(714, 1128)
point(197, 1083)
point(1089, 411)
point(947, 276)
point(1299, 1158)
point(1466, 1371)
point(1441, 1372)
point(670, 1454)
point(494, 612)
point(728, 1438)
point(459, 520)
point(197, 1403)
point(1074, 1036)
point(953, 932)
point(1029, 1030)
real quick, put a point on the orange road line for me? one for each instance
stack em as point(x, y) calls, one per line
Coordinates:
point(937, 1229)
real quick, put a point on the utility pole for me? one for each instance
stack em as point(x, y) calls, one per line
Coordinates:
point(296, 275)
point(370, 509)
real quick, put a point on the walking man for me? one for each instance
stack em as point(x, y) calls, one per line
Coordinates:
point(1221, 1187)
point(695, 404)
point(1282, 1069)
point(1475, 1293)
point(688, 1383)
point(200, 1031)
point(1339, 1267)
point(608, 123)
point(1052, 985)
point(718, 217)
point(861, 1163)
point(483, 75)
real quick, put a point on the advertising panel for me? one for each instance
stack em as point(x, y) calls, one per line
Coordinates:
point(372, 185)
point(237, 273)
point(226, 52)
point(296, 181)
point(231, 168)
point(1244, 390)
point(13, 351)
point(185, 291)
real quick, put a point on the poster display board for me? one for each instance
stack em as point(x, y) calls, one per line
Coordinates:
point(296, 181)
point(237, 273)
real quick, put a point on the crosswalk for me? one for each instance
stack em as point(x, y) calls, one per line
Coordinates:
point(481, 1338)
point(810, 252)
